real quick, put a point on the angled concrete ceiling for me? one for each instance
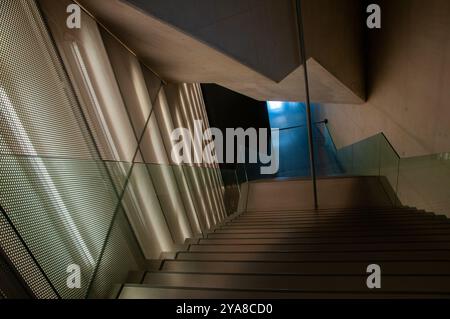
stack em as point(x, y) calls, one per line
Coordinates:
point(259, 33)
point(250, 47)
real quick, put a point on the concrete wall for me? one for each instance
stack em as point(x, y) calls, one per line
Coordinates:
point(408, 81)
point(423, 183)
point(259, 33)
point(240, 56)
point(334, 37)
point(297, 194)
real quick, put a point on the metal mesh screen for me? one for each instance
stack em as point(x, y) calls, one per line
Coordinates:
point(62, 209)
point(25, 265)
point(38, 116)
point(121, 255)
point(55, 190)
point(61, 201)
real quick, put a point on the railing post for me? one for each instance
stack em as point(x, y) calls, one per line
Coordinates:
point(308, 102)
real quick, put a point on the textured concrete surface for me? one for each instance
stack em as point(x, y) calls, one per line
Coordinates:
point(177, 56)
point(296, 194)
point(408, 81)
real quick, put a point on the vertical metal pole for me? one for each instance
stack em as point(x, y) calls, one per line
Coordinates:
point(308, 102)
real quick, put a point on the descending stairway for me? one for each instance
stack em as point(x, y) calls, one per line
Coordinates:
point(309, 254)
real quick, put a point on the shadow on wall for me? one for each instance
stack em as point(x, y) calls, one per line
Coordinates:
point(228, 109)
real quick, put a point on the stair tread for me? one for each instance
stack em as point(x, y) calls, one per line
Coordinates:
point(372, 211)
point(354, 229)
point(331, 235)
point(320, 247)
point(310, 254)
point(319, 240)
point(274, 220)
point(274, 267)
point(336, 209)
point(318, 256)
point(340, 224)
point(147, 292)
point(333, 283)
point(336, 214)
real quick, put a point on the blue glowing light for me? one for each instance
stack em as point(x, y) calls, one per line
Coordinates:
point(275, 105)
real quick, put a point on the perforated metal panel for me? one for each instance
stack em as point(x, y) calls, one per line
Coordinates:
point(37, 106)
point(122, 254)
point(56, 192)
point(61, 201)
point(25, 265)
point(62, 209)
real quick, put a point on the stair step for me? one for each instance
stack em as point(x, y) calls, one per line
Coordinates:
point(403, 218)
point(319, 240)
point(373, 256)
point(312, 235)
point(333, 213)
point(299, 283)
point(359, 229)
point(320, 247)
point(310, 254)
point(325, 210)
point(340, 224)
point(305, 268)
point(146, 292)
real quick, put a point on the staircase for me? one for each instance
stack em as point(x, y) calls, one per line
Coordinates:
point(309, 253)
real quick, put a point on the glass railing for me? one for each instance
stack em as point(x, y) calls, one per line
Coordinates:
point(62, 209)
point(423, 182)
point(60, 201)
point(420, 182)
point(163, 205)
point(109, 217)
point(235, 183)
point(373, 156)
point(326, 158)
point(294, 161)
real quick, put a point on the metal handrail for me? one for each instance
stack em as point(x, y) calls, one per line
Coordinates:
point(308, 102)
point(298, 126)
